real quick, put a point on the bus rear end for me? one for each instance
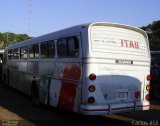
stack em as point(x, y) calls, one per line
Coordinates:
point(116, 70)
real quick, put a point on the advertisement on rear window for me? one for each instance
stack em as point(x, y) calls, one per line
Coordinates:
point(118, 40)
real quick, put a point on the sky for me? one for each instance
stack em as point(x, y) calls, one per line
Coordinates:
point(51, 15)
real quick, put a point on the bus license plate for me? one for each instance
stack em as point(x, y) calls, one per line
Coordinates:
point(122, 95)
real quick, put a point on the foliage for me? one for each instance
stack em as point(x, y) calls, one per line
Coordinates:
point(153, 31)
point(8, 38)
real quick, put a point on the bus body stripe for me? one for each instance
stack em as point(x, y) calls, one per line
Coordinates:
point(69, 89)
point(67, 95)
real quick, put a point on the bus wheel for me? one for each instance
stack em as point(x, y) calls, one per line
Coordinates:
point(35, 94)
point(157, 91)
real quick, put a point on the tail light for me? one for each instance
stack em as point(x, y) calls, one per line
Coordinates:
point(137, 94)
point(147, 97)
point(91, 100)
point(148, 87)
point(92, 77)
point(91, 88)
point(148, 77)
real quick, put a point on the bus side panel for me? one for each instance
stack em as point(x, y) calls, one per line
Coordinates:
point(68, 89)
point(64, 92)
point(12, 74)
point(46, 73)
point(23, 75)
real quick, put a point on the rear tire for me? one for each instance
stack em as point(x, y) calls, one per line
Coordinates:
point(35, 94)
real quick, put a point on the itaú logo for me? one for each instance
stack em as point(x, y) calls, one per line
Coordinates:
point(129, 44)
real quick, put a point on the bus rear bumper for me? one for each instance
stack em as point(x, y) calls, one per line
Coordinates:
point(114, 108)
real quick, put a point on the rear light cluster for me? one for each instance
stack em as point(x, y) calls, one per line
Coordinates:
point(148, 87)
point(91, 88)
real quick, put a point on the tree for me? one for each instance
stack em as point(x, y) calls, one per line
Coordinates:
point(1, 41)
point(153, 31)
point(22, 37)
point(8, 38)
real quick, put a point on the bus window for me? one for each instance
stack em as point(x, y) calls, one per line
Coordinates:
point(62, 48)
point(44, 50)
point(34, 51)
point(47, 49)
point(16, 54)
point(24, 52)
point(73, 47)
point(51, 49)
point(68, 47)
point(10, 54)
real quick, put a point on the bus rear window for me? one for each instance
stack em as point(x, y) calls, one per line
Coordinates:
point(118, 40)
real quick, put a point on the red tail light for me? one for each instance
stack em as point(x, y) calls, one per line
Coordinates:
point(147, 97)
point(137, 94)
point(92, 77)
point(91, 100)
point(148, 77)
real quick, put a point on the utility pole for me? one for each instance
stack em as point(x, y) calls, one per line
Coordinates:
point(30, 13)
point(7, 40)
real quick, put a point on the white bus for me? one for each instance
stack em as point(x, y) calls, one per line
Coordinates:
point(95, 69)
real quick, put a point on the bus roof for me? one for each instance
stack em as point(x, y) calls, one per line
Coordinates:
point(61, 33)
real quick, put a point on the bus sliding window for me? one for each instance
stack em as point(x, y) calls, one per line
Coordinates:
point(47, 49)
point(62, 48)
point(73, 48)
point(68, 47)
point(16, 53)
point(44, 50)
point(24, 52)
point(34, 51)
point(10, 54)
